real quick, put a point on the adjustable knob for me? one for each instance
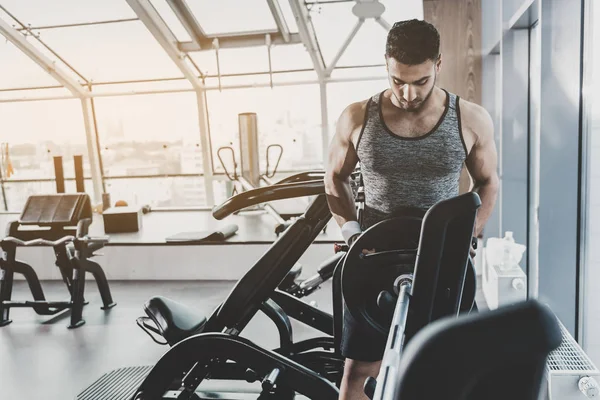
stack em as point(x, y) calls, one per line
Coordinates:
point(268, 384)
point(588, 386)
point(250, 375)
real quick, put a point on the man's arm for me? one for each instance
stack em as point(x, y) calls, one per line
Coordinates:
point(340, 164)
point(482, 164)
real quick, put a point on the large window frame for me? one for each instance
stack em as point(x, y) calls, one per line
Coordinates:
point(294, 27)
point(587, 101)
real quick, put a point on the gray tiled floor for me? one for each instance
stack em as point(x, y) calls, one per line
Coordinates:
point(41, 358)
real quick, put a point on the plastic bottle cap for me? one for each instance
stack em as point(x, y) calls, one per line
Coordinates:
point(518, 284)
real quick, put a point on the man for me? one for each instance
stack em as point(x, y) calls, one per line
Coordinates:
point(412, 141)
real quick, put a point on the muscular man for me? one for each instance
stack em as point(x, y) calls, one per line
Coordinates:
point(412, 141)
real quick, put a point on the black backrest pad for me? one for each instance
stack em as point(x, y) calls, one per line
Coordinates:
point(498, 354)
point(442, 260)
point(263, 278)
point(56, 210)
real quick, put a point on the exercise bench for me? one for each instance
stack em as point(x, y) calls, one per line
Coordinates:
point(61, 221)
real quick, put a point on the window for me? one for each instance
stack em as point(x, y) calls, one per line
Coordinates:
point(111, 52)
point(149, 135)
point(171, 20)
point(20, 71)
point(44, 13)
point(233, 16)
point(181, 191)
point(289, 116)
point(37, 131)
point(341, 95)
point(591, 307)
point(335, 21)
point(17, 193)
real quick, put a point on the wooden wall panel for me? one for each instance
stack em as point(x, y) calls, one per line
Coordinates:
point(459, 24)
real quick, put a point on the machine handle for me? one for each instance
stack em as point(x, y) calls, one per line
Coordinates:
point(235, 176)
point(34, 242)
point(272, 174)
point(383, 257)
point(303, 177)
point(268, 193)
point(150, 330)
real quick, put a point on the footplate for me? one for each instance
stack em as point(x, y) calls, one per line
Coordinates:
point(121, 384)
point(118, 384)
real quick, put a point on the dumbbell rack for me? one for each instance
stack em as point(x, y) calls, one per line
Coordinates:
point(62, 222)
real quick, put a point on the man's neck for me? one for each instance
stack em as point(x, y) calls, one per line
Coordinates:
point(435, 100)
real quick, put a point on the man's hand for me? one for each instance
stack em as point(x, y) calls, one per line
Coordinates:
point(367, 251)
point(472, 252)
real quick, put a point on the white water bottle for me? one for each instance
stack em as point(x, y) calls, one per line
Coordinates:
point(508, 248)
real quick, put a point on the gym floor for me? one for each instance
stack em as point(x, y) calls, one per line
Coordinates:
point(41, 358)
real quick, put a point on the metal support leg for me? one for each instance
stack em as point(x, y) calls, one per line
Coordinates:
point(95, 269)
point(202, 348)
point(324, 121)
point(77, 297)
point(6, 282)
point(338, 306)
point(34, 285)
point(282, 322)
point(65, 267)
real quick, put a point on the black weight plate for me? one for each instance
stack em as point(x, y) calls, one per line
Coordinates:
point(395, 242)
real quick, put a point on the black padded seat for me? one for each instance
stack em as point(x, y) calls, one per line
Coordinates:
point(290, 278)
point(493, 355)
point(174, 320)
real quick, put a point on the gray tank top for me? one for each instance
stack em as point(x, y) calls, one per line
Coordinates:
point(405, 172)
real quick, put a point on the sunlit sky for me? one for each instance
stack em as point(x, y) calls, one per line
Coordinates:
point(128, 51)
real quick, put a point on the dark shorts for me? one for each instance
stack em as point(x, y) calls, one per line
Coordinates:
point(362, 344)
point(358, 343)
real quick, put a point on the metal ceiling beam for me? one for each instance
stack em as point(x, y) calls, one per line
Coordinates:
point(92, 149)
point(308, 35)
point(202, 41)
point(231, 42)
point(161, 32)
point(163, 35)
point(279, 19)
point(206, 88)
point(188, 20)
point(16, 38)
point(345, 45)
point(381, 21)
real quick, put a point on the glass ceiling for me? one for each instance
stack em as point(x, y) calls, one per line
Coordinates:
point(20, 71)
point(233, 16)
point(112, 52)
point(171, 20)
point(39, 13)
point(112, 44)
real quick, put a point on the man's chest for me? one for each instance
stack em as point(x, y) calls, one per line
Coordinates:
point(411, 127)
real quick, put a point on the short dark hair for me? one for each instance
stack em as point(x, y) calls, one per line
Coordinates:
point(413, 42)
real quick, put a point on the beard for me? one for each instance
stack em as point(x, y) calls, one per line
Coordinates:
point(417, 103)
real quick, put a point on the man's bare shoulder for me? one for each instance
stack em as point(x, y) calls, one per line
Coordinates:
point(352, 119)
point(476, 120)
